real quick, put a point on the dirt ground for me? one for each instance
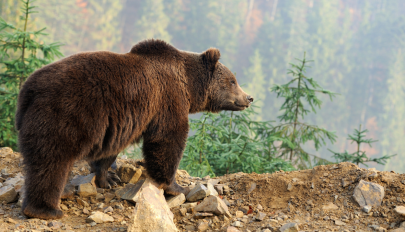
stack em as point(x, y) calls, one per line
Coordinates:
point(304, 197)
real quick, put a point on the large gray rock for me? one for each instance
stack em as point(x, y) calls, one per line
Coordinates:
point(8, 194)
point(151, 211)
point(198, 192)
point(368, 193)
point(213, 204)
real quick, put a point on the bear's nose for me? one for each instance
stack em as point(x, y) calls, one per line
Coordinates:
point(249, 98)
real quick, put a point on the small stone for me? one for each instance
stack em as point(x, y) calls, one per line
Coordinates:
point(108, 209)
point(219, 188)
point(199, 215)
point(330, 206)
point(367, 208)
point(99, 196)
point(126, 172)
point(183, 211)
point(137, 175)
point(400, 210)
point(226, 189)
point(289, 227)
point(175, 201)
point(237, 224)
point(119, 206)
point(82, 203)
point(339, 223)
point(259, 207)
point(239, 214)
point(368, 193)
point(202, 226)
point(10, 220)
point(86, 211)
point(289, 187)
point(252, 186)
point(64, 207)
point(68, 191)
point(189, 228)
point(232, 229)
point(212, 190)
point(99, 217)
point(86, 190)
point(260, 216)
point(100, 190)
point(8, 194)
point(55, 225)
point(79, 180)
point(108, 197)
point(214, 205)
point(345, 183)
point(197, 193)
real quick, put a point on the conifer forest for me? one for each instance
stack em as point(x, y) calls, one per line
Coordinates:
point(357, 48)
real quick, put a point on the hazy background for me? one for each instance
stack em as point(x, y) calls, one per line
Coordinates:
point(358, 47)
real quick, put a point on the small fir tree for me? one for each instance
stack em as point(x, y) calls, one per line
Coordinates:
point(300, 100)
point(20, 54)
point(359, 157)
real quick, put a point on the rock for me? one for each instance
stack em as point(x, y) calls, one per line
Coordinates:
point(398, 230)
point(238, 214)
point(219, 188)
point(368, 193)
point(8, 194)
point(198, 192)
point(131, 191)
point(10, 220)
point(339, 223)
point(17, 182)
point(100, 190)
point(189, 228)
point(82, 203)
point(86, 211)
point(108, 209)
point(289, 187)
point(79, 180)
point(227, 203)
point(237, 224)
point(68, 191)
point(259, 207)
point(55, 225)
point(212, 190)
point(289, 227)
point(86, 190)
point(135, 178)
point(260, 216)
point(183, 211)
point(202, 226)
point(232, 229)
point(108, 197)
point(367, 208)
point(202, 215)
point(126, 172)
point(345, 183)
point(400, 210)
point(213, 204)
point(330, 206)
point(151, 211)
point(64, 207)
point(99, 217)
point(252, 186)
point(189, 205)
point(174, 201)
point(226, 190)
point(99, 196)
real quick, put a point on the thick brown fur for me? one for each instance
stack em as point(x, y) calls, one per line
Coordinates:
point(94, 104)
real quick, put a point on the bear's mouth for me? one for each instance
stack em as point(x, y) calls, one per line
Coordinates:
point(241, 106)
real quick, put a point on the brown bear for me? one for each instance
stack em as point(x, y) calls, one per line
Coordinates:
point(94, 104)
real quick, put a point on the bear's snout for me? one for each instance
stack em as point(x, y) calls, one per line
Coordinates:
point(249, 98)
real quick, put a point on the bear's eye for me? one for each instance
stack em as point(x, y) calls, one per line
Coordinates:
point(233, 82)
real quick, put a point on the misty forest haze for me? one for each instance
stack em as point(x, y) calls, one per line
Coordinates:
point(358, 48)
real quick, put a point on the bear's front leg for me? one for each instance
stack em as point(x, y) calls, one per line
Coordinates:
point(104, 178)
point(162, 153)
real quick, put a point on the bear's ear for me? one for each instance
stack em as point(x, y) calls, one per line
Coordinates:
point(211, 57)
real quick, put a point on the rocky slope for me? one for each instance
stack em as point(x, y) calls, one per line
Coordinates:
point(319, 199)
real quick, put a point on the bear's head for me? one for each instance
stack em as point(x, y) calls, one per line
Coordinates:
point(224, 92)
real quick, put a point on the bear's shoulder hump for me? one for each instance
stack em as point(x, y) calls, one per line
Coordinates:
point(153, 46)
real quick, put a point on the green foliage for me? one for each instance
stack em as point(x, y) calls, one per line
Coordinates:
point(296, 101)
point(20, 55)
point(359, 157)
point(231, 142)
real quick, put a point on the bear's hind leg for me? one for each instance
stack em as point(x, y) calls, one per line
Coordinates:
point(44, 183)
point(104, 178)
